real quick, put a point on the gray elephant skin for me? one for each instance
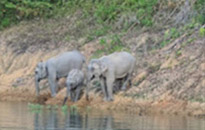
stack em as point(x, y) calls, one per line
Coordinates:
point(57, 67)
point(74, 84)
point(108, 69)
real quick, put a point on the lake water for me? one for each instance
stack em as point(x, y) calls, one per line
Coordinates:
point(18, 116)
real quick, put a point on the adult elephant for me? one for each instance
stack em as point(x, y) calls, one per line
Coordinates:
point(57, 67)
point(109, 68)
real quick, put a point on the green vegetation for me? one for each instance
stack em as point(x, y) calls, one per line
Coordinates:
point(200, 99)
point(35, 106)
point(202, 31)
point(104, 12)
point(178, 53)
point(109, 45)
point(64, 108)
point(199, 7)
point(73, 107)
point(73, 110)
point(169, 35)
point(13, 11)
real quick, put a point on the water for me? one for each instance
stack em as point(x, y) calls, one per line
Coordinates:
point(17, 116)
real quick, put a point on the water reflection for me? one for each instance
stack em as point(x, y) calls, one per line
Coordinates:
point(53, 119)
point(111, 121)
point(18, 116)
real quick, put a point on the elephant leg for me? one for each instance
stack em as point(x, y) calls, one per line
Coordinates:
point(117, 86)
point(130, 82)
point(66, 97)
point(102, 82)
point(73, 96)
point(87, 90)
point(127, 79)
point(52, 83)
point(52, 80)
point(77, 94)
point(109, 83)
point(56, 84)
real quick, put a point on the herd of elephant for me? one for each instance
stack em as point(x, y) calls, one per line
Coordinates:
point(106, 69)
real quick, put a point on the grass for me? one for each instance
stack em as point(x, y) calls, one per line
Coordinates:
point(35, 106)
point(202, 31)
point(110, 44)
point(73, 107)
point(169, 35)
point(73, 110)
point(104, 12)
point(198, 99)
point(64, 108)
point(178, 53)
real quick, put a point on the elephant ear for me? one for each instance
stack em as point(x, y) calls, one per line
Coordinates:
point(42, 69)
point(103, 67)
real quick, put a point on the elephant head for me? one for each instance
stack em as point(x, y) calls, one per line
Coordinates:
point(96, 68)
point(71, 84)
point(40, 73)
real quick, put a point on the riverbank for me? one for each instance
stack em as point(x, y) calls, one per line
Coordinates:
point(168, 105)
point(168, 78)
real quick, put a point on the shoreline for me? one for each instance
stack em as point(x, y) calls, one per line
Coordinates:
point(121, 103)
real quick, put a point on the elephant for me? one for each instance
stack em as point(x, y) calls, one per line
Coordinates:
point(74, 82)
point(108, 69)
point(56, 68)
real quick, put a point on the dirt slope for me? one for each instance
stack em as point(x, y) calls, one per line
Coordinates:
point(169, 79)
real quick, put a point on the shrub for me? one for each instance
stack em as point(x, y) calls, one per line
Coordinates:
point(106, 11)
point(13, 11)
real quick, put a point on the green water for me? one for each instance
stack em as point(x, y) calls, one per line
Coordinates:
point(18, 116)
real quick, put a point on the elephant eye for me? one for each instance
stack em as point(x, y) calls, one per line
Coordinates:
point(36, 72)
point(71, 84)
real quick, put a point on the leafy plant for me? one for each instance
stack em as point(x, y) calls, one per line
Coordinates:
point(105, 12)
point(199, 7)
point(169, 35)
point(64, 108)
point(15, 11)
point(202, 31)
point(110, 45)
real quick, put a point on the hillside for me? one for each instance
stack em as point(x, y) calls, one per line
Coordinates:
point(169, 49)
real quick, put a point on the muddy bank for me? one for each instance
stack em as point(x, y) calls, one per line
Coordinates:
point(168, 79)
point(169, 105)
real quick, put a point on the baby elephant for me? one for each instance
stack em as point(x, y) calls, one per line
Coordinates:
point(74, 83)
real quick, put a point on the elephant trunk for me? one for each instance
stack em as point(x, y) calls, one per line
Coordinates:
point(67, 93)
point(37, 85)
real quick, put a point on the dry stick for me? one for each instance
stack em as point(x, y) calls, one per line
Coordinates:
point(132, 26)
point(171, 46)
point(169, 17)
